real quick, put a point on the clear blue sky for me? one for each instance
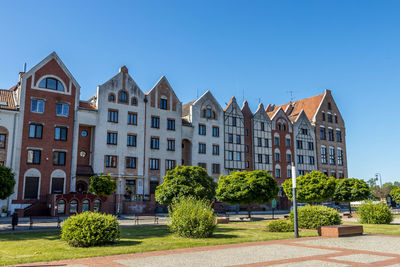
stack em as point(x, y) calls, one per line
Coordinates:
point(265, 48)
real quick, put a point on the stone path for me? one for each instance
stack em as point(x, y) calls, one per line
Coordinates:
point(366, 250)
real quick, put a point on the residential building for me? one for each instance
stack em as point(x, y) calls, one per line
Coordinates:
point(262, 140)
point(248, 136)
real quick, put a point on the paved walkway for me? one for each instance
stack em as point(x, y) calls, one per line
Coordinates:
point(367, 250)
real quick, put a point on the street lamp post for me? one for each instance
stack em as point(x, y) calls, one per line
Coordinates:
point(294, 188)
point(380, 178)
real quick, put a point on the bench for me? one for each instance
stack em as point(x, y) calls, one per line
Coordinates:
point(222, 220)
point(347, 215)
point(47, 218)
point(340, 230)
point(137, 218)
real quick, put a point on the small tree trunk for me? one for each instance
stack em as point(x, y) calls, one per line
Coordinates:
point(249, 210)
point(349, 207)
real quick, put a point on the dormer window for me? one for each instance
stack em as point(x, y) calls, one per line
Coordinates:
point(51, 83)
point(111, 97)
point(163, 103)
point(122, 97)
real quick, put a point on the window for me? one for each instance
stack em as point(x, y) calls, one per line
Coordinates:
point(112, 116)
point(340, 156)
point(230, 155)
point(61, 206)
point(299, 144)
point(230, 138)
point(233, 121)
point(60, 133)
point(330, 117)
point(37, 106)
point(215, 149)
point(31, 187)
point(266, 159)
point(289, 173)
point(35, 130)
point(111, 97)
point(247, 132)
point(171, 145)
point(122, 97)
point(259, 156)
point(336, 119)
point(97, 205)
point(51, 83)
point(215, 131)
point(85, 205)
point(171, 124)
point(284, 127)
point(323, 155)
point(130, 162)
point(134, 101)
point(266, 142)
point(238, 156)
point(277, 157)
point(279, 127)
point(111, 161)
point(155, 122)
point(341, 175)
point(202, 129)
point(300, 159)
point(238, 141)
point(287, 142)
point(202, 148)
point(247, 164)
point(259, 142)
point(163, 103)
point(132, 118)
point(301, 172)
point(330, 134)
point(2, 140)
point(131, 140)
point(323, 116)
point(333, 174)
point(216, 168)
point(288, 157)
point(59, 158)
point(329, 106)
point(73, 206)
point(208, 114)
point(332, 155)
point(155, 143)
point(262, 126)
point(112, 138)
point(311, 160)
point(304, 131)
point(169, 164)
point(33, 156)
point(62, 109)
point(247, 148)
point(277, 173)
point(276, 140)
point(57, 185)
point(203, 165)
point(338, 136)
point(310, 146)
point(322, 133)
point(154, 164)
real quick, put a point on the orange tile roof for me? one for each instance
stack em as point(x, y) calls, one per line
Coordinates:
point(6, 96)
point(87, 105)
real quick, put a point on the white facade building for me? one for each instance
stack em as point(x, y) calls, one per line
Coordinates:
point(262, 140)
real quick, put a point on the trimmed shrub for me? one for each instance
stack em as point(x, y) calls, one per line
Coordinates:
point(190, 217)
point(311, 217)
point(90, 229)
point(280, 226)
point(375, 213)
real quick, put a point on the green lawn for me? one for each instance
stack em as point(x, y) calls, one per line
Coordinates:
point(46, 246)
point(383, 229)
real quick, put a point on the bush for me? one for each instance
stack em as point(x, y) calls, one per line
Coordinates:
point(90, 229)
point(311, 217)
point(280, 226)
point(375, 213)
point(190, 217)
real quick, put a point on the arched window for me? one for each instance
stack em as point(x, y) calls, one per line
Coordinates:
point(85, 205)
point(111, 97)
point(284, 127)
point(122, 97)
point(61, 206)
point(279, 127)
point(213, 114)
point(73, 206)
point(97, 205)
point(134, 101)
point(51, 83)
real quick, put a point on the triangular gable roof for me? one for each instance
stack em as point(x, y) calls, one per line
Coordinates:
point(6, 96)
point(276, 111)
point(121, 72)
point(245, 108)
point(261, 111)
point(54, 56)
point(161, 80)
point(210, 95)
point(233, 104)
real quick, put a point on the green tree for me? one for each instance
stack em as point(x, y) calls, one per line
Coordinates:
point(350, 189)
point(186, 181)
point(311, 187)
point(102, 185)
point(395, 194)
point(247, 188)
point(7, 182)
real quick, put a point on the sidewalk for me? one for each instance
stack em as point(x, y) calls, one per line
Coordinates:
point(367, 250)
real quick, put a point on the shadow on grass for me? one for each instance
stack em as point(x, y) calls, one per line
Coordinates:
point(53, 235)
point(144, 232)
